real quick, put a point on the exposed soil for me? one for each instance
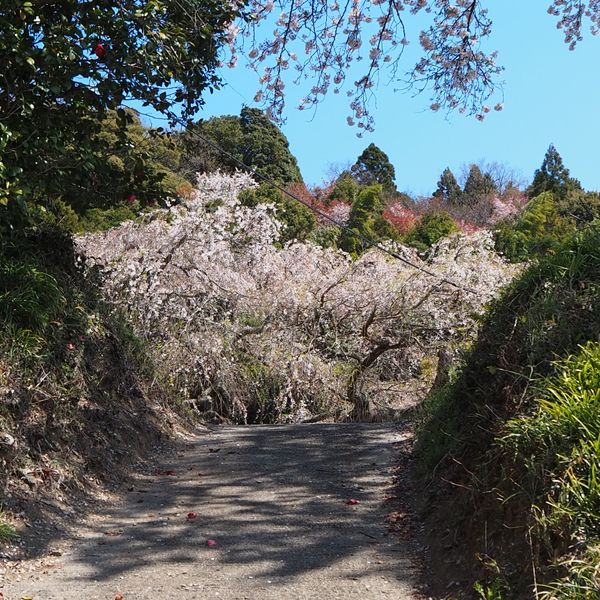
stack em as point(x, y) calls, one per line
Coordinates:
point(279, 503)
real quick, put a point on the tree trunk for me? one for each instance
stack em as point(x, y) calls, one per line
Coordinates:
point(361, 410)
point(361, 407)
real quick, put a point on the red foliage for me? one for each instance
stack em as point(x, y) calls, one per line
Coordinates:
point(339, 210)
point(303, 193)
point(402, 218)
point(467, 227)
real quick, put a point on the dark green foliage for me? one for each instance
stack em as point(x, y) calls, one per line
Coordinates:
point(252, 139)
point(366, 221)
point(538, 230)
point(579, 206)
point(430, 229)
point(448, 189)
point(477, 195)
point(345, 188)
point(266, 148)
point(373, 166)
point(298, 221)
point(29, 297)
point(326, 237)
point(65, 66)
point(31, 262)
point(553, 177)
point(96, 219)
point(135, 162)
point(478, 184)
point(138, 170)
point(199, 157)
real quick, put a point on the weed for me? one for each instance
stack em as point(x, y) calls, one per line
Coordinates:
point(7, 532)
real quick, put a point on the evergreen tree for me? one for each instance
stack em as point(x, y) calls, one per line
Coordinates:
point(448, 189)
point(373, 166)
point(266, 148)
point(366, 221)
point(252, 139)
point(199, 157)
point(431, 228)
point(477, 186)
point(553, 177)
point(345, 188)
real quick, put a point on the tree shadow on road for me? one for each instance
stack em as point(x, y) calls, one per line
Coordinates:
point(274, 498)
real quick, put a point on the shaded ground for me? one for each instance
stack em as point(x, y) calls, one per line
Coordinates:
point(274, 500)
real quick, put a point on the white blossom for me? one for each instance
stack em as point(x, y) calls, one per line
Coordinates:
point(228, 315)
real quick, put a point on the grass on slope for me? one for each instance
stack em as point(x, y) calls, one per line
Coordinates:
point(516, 432)
point(77, 398)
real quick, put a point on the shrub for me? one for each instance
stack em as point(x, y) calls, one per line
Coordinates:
point(366, 222)
point(431, 229)
point(29, 298)
point(97, 219)
point(538, 230)
point(345, 188)
point(555, 454)
point(326, 237)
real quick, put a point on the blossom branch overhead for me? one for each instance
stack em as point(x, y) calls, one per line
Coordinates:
point(335, 46)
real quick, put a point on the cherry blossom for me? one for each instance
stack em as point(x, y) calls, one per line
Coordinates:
point(252, 331)
point(354, 44)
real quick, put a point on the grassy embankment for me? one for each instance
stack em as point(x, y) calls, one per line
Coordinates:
point(513, 442)
point(78, 398)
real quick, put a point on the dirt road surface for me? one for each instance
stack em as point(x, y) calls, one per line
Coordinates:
point(274, 499)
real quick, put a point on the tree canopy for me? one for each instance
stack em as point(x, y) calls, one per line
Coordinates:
point(252, 139)
point(366, 222)
point(373, 166)
point(448, 189)
point(65, 65)
point(478, 185)
point(552, 176)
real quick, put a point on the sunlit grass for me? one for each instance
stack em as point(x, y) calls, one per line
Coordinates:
point(558, 445)
point(7, 532)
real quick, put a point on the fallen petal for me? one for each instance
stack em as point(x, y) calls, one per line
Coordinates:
point(191, 516)
point(211, 543)
point(352, 502)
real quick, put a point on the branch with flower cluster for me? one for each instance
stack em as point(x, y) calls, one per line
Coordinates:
point(320, 40)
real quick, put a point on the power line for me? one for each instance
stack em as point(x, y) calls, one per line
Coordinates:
point(370, 241)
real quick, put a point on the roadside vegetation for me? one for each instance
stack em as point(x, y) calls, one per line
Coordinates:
point(516, 430)
point(146, 281)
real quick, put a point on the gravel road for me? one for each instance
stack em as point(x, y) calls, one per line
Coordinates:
point(273, 498)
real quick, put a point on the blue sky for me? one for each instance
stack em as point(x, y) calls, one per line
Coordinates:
point(551, 95)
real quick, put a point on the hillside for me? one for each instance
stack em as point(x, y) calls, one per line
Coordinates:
point(511, 444)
